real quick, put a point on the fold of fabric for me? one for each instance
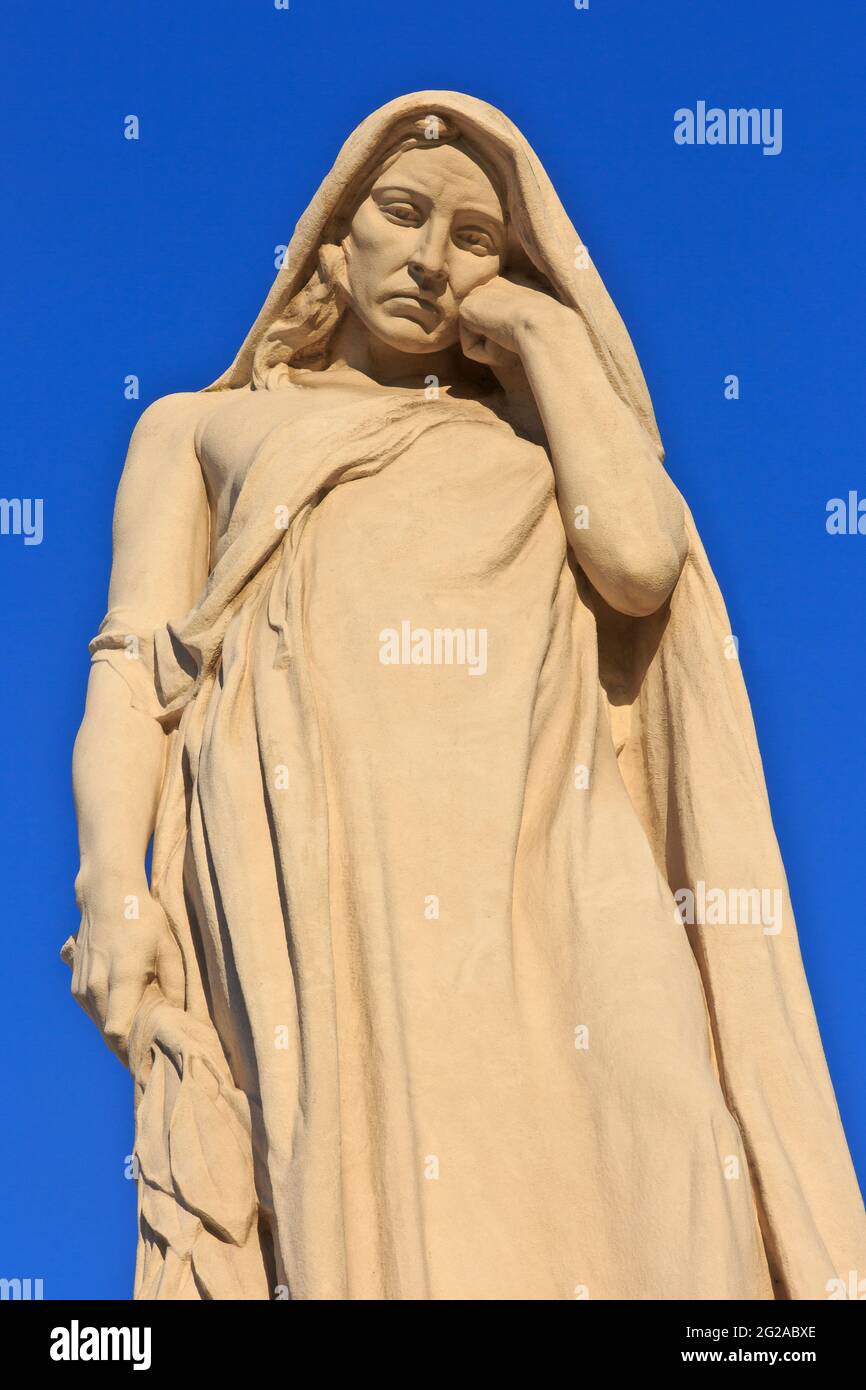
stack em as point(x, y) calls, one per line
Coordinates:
point(689, 756)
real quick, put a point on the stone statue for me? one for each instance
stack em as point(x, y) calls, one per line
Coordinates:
point(466, 967)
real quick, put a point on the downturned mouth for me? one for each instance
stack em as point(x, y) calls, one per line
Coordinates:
point(416, 301)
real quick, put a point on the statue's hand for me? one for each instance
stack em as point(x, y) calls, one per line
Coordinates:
point(497, 317)
point(116, 955)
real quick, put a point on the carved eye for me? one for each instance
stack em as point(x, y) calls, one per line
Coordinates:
point(404, 213)
point(477, 240)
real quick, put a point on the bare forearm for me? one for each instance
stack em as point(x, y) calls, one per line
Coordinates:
point(117, 773)
point(630, 537)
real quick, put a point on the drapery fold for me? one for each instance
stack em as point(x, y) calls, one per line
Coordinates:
point(690, 759)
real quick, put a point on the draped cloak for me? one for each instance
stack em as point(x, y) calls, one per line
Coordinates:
point(446, 1034)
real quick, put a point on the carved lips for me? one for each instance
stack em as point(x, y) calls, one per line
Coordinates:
point(416, 305)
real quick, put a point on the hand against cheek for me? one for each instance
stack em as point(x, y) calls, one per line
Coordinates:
point(495, 317)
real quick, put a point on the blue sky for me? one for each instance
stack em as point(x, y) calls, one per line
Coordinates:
point(152, 257)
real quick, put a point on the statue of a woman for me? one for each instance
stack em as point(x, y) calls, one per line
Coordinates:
point(466, 968)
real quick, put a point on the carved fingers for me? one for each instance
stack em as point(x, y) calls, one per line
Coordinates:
point(117, 954)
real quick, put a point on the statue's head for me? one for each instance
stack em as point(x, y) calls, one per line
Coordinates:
point(425, 222)
point(417, 201)
point(431, 227)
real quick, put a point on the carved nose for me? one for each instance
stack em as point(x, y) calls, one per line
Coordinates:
point(429, 264)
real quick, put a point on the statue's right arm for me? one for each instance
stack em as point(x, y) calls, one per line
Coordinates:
point(159, 567)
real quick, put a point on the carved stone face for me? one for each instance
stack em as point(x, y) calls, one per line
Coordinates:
point(430, 230)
